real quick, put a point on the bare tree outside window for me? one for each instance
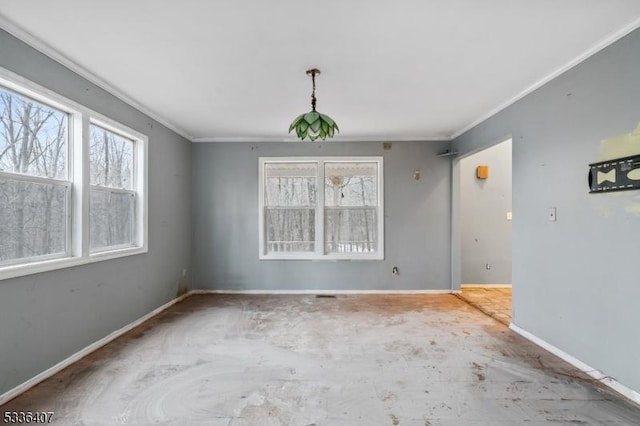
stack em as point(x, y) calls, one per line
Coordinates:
point(66, 197)
point(34, 191)
point(112, 200)
point(321, 207)
point(351, 207)
point(290, 205)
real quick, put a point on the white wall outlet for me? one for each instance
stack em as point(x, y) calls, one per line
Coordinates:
point(509, 215)
point(552, 214)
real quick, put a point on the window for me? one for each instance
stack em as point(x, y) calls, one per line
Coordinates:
point(321, 208)
point(34, 190)
point(72, 183)
point(112, 199)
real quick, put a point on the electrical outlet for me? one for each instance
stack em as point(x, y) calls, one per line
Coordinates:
point(552, 214)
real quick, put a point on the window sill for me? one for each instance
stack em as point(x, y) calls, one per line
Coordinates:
point(321, 258)
point(14, 271)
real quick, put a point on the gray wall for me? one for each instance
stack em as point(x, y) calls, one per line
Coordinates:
point(485, 230)
point(44, 318)
point(575, 280)
point(225, 220)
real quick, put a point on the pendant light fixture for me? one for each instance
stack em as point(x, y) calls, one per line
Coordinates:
point(314, 124)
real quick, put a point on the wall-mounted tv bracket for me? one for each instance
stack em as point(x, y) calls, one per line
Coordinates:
point(621, 174)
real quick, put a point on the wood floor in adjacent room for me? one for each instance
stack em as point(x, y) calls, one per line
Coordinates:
point(306, 360)
point(492, 301)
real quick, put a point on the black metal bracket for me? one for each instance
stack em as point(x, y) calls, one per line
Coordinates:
point(621, 174)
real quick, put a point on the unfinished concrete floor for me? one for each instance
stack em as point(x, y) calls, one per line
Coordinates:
point(493, 301)
point(303, 360)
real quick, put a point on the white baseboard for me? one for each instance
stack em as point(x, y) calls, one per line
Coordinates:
point(585, 368)
point(485, 285)
point(321, 292)
point(9, 395)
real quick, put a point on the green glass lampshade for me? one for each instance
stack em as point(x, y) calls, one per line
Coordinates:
point(314, 125)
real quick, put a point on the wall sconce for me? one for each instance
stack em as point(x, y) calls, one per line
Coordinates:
point(482, 172)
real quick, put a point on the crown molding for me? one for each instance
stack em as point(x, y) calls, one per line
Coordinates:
point(44, 48)
point(605, 42)
point(253, 139)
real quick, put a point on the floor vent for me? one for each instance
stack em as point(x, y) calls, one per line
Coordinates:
point(328, 296)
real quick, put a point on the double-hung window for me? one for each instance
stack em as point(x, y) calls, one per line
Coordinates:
point(73, 183)
point(321, 208)
point(112, 205)
point(35, 190)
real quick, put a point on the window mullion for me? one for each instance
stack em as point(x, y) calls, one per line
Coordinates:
point(320, 251)
point(80, 147)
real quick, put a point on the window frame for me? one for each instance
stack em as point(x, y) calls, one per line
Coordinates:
point(320, 252)
point(77, 177)
point(38, 180)
point(113, 190)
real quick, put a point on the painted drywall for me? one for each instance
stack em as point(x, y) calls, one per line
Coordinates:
point(485, 229)
point(45, 318)
point(575, 280)
point(225, 220)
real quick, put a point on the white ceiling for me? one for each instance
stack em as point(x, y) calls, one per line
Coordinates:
point(230, 70)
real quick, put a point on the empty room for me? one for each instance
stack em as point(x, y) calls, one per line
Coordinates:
point(319, 213)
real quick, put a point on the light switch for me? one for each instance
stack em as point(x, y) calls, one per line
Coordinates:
point(552, 214)
point(509, 215)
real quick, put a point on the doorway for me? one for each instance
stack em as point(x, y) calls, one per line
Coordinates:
point(485, 217)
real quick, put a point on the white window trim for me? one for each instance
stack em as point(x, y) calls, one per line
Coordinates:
point(140, 156)
point(320, 253)
point(80, 118)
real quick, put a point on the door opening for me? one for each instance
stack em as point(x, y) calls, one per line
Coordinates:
point(485, 215)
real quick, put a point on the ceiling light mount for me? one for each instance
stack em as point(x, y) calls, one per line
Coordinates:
point(314, 124)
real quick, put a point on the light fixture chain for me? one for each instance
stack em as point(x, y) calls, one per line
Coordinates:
point(313, 93)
